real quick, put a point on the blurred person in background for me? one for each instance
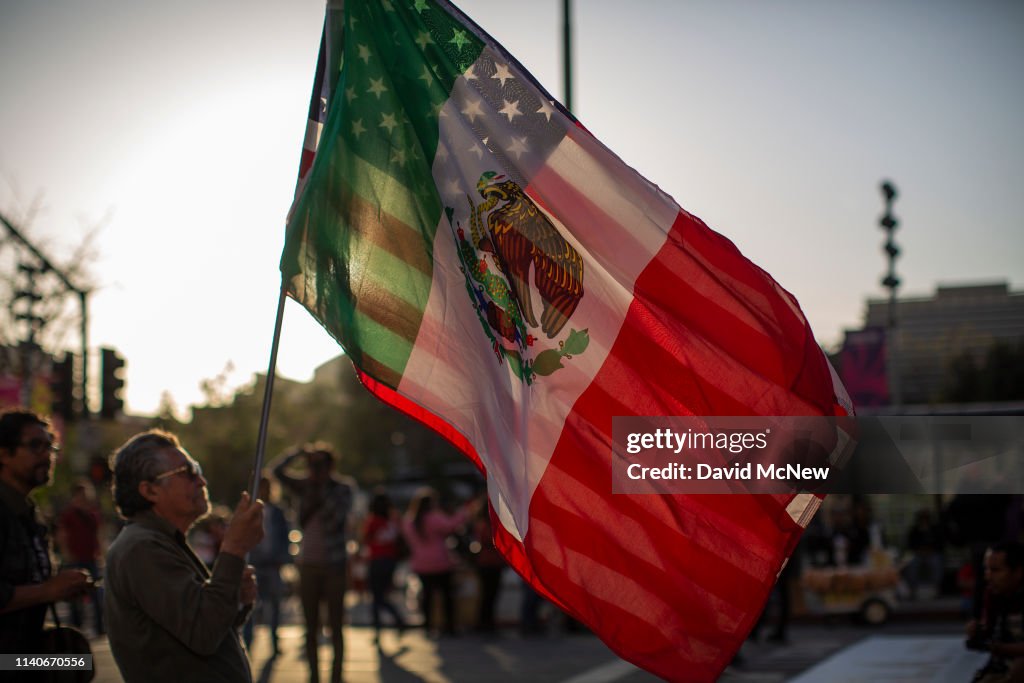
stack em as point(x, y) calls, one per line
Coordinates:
point(169, 618)
point(267, 558)
point(381, 538)
point(325, 503)
point(977, 521)
point(28, 584)
point(207, 534)
point(866, 535)
point(924, 545)
point(782, 591)
point(1000, 629)
point(426, 528)
point(78, 537)
point(530, 604)
point(489, 565)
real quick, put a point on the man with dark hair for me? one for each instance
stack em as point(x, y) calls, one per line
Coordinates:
point(1000, 630)
point(168, 617)
point(325, 500)
point(27, 582)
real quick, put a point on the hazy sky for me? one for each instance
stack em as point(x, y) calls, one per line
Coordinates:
point(178, 126)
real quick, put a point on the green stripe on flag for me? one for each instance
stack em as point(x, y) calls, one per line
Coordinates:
point(390, 349)
point(387, 231)
point(381, 372)
point(371, 181)
point(387, 283)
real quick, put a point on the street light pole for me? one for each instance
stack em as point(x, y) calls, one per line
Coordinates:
point(567, 50)
point(891, 282)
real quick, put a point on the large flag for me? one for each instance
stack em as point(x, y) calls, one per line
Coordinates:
point(495, 271)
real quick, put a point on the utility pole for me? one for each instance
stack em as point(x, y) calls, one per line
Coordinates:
point(45, 266)
point(891, 282)
point(33, 325)
point(567, 50)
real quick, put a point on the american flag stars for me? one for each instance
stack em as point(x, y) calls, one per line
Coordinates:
point(391, 74)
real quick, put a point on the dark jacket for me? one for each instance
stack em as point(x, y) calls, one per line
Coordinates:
point(168, 618)
point(24, 559)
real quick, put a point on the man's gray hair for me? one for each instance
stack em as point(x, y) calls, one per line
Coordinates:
point(138, 460)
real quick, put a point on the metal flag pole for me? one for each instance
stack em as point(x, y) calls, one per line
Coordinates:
point(261, 441)
point(567, 50)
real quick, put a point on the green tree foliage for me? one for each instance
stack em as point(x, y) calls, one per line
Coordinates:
point(377, 443)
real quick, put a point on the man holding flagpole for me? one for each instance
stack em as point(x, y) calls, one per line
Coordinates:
point(169, 618)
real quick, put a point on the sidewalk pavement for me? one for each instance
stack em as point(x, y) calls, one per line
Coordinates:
point(936, 659)
point(574, 658)
point(414, 658)
point(814, 654)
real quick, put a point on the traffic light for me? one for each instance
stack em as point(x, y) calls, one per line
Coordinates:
point(62, 387)
point(111, 383)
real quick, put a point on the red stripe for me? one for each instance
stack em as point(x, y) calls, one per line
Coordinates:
point(709, 561)
point(418, 412)
point(704, 305)
point(306, 161)
point(779, 318)
point(715, 548)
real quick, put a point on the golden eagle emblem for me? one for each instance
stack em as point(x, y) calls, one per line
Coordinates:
point(519, 240)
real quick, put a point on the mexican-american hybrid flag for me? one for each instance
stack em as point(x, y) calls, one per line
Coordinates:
point(495, 271)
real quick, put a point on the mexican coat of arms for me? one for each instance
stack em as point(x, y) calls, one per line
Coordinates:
point(510, 239)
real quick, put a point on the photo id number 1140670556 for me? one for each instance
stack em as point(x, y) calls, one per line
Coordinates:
point(14, 662)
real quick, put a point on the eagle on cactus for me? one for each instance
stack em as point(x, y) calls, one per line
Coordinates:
point(521, 237)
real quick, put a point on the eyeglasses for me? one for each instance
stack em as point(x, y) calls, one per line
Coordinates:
point(191, 468)
point(40, 446)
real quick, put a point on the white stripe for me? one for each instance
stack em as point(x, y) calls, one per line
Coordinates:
point(840, 391)
point(802, 508)
point(313, 131)
point(844, 448)
point(617, 191)
point(503, 511)
point(606, 673)
point(453, 371)
point(309, 144)
point(513, 427)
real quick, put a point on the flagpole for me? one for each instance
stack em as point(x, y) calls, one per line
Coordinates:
point(261, 441)
point(567, 50)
